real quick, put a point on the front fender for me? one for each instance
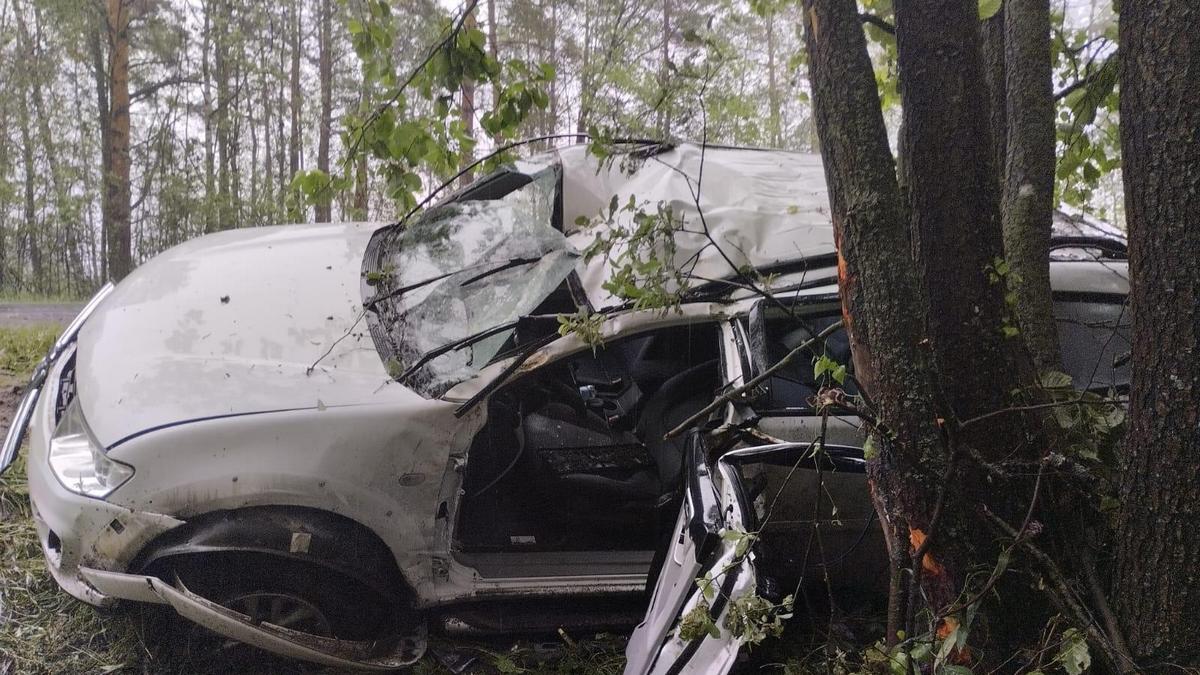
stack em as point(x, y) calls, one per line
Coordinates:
point(298, 533)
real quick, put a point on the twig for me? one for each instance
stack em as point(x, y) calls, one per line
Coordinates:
point(878, 22)
point(1100, 600)
point(1062, 591)
point(757, 380)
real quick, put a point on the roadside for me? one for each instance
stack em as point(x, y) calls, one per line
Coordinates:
point(15, 314)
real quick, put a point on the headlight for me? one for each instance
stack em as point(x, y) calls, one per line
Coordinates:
point(79, 463)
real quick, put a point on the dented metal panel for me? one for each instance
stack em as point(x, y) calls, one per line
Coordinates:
point(760, 207)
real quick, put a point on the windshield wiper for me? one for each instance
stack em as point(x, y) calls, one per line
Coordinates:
point(397, 292)
point(515, 262)
point(454, 346)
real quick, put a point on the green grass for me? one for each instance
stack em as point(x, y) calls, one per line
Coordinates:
point(45, 631)
point(22, 347)
point(26, 298)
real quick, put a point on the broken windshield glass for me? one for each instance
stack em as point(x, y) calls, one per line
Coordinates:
point(465, 269)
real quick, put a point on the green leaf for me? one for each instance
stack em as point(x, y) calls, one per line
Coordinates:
point(1052, 379)
point(870, 448)
point(988, 8)
point(1074, 655)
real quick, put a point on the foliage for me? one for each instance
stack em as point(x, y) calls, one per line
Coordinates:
point(638, 244)
point(589, 327)
point(406, 139)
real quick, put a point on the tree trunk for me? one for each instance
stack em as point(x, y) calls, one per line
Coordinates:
point(493, 48)
point(222, 115)
point(30, 226)
point(97, 39)
point(992, 32)
point(294, 145)
point(1158, 558)
point(663, 123)
point(954, 213)
point(210, 197)
point(774, 123)
point(116, 183)
point(1027, 207)
point(325, 67)
point(467, 112)
point(878, 284)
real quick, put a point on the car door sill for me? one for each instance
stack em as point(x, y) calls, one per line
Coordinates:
point(620, 566)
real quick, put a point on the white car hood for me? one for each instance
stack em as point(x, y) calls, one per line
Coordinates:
point(230, 324)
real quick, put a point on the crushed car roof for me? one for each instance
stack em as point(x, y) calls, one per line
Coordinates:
point(741, 208)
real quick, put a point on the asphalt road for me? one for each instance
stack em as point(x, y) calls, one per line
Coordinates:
point(22, 314)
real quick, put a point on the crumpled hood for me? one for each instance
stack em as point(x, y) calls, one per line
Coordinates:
point(229, 324)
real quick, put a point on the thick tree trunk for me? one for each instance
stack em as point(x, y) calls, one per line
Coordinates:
point(1027, 206)
point(325, 67)
point(878, 282)
point(493, 47)
point(210, 197)
point(116, 183)
point(1158, 558)
point(954, 213)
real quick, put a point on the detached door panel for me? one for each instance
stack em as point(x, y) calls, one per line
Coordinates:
point(695, 551)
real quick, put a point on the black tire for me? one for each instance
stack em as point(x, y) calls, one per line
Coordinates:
point(319, 600)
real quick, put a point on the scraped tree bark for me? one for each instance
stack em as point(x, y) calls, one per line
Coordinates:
point(116, 176)
point(1027, 205)
point(1158, 558)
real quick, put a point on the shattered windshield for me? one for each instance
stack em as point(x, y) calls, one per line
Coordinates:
point(457, 279)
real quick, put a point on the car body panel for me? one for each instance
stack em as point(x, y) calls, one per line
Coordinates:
point(230, 323)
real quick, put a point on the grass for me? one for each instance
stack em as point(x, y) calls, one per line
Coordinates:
point(22, 347)
point(26, 298)
point(45, 631)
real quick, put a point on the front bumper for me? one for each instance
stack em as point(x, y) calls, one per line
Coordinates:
point(76, 531)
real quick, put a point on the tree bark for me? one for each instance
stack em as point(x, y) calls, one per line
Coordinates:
point(774, 122)
point(467, 112)
point(116, 183)
point(1027, 205)
point(1158, 557)
point(296, 101)
point(325, 67)
point(879, 289)
point(97, 39)
point(954, 213)
point(992, 33)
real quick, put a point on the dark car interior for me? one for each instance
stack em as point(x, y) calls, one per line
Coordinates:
point(572, 457)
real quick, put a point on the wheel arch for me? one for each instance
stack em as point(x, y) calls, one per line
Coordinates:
point(298, 533)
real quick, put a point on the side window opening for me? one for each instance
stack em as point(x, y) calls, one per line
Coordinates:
point(1094, 339)
point(774, 333)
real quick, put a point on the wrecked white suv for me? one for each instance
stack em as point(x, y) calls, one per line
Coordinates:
point(325, 440)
